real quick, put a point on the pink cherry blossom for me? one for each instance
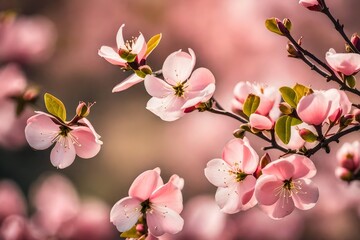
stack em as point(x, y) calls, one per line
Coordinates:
point(309, 3)
point(268, 110)
point(149, 198)
point(26, 39)
point(340, 103)
point(181, 89)
point(233, 175)
point(11, 199)
point(128, 54)
point(345, 63)
point(314, 108)
point(348, 156)
point(285, 184)
point(43, 130)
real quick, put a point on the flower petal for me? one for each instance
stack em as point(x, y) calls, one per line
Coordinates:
point(313, 108)
point(178, 66)
point(157, 87)
point(265, 189)
point(200, 79)
point(304, 167)
point(217, 172)
point(111, 56)
point(307, 194)
point(168, 108)
point(12, 81)
point(280, 168)
point(86, 146)
point(40, 131)
point(120, 43)
point(145, 184)
point(283, 207)
point(163, 220)
point(194, 98)
point(125, 213)
point(127, 83)
point(346, 63)
point(140, 47)
point(63, 154)
point(168, 195)
point(260, 122)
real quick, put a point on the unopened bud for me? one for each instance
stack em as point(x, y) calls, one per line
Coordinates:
point(143, 71)
point(287, 23)
point(356, 114)
point(293, 52)
point(285, 108)
point(282, 27)
point(355, 40)
point(239, 133)
point(346, 120)
point(348, 162)
point(313, 5)
point(83, 109)
point(343, 174)
point(264, 160)
point(307, 135)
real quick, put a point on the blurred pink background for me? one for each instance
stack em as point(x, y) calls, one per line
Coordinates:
point(229, 38)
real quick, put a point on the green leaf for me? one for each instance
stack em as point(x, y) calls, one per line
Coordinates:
point(289, 96)
point(55, 106)
point(301, 91)
point(283, 127)
point(131, 233)
point(350, 81)
point(272, 25)
point(251, 104)
point(152, 44)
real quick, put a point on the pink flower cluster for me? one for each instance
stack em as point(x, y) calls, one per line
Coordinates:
point(58, 213)
point(283, 184)
point(348, 157)
point(152, 207)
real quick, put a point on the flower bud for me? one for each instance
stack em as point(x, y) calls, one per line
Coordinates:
point(239, 133)
point(285, 108)
point(356, 114)
point(83, 109)
point(312, 5)
point(143, 71)
point(307, 135)
point(346, 120)
point(343, 174)
point(355, 40)
point(265, 160)
point(293, 52)
point(348, 162)
point(350, 81)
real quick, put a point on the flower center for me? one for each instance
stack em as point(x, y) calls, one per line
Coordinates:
point(239, 174)
point(288, 184)
point(145, 205)
point(64, 131)
point(179, 89)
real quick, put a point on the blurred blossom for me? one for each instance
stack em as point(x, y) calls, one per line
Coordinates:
point(204, 220)
point(18, 228)
point(26, 39)
point(12, 201)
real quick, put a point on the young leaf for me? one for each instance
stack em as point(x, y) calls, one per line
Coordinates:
point(152, 44)
point(272, 25)
point(55, 106)
point(289, 96)
point(283, 127)
point(131, 233)
point(301, 91)
point(251, 104)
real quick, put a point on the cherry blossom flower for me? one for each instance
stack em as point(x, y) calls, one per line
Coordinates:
point(311, 4)
point(26, 39)
point(70, 138)
point(181, 89)
point(149, 198)
point(345, 63)
point(11, 199)
point(268, 110)
point(233, 175)
point(128, 54)
point(340, 103)
point(285, 184)
point(348, 157)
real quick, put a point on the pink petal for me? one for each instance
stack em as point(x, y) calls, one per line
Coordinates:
point(111, 56)
point(12, 81)
point(200, 79)
point(168, 195)
point(145, 184)
point(313, 108)
point(260, 122)
point(125, 213)
point(168, 108)
point(304, 167)
point(282, 169)
point(266, 189)
point(7, 116)
point(63, 154)
point(177, 181)
point(346, 63)
point(217, 172)
point(127, 83)
point(307, 194)
point(241, 91)
point(197, 97)
point(139, 47)
point(119, 37)
point(87, 123)
point(86, 146)
point(40, 131)
point(163, 220)
point(238, 151)
point(178, 66)
point(246, 191)
point(283, 207)
point(157, 87)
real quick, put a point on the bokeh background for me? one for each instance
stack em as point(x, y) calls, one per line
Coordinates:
point(230, 39)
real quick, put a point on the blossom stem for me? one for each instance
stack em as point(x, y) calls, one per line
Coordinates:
point(339, 27)
point(334, 138)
